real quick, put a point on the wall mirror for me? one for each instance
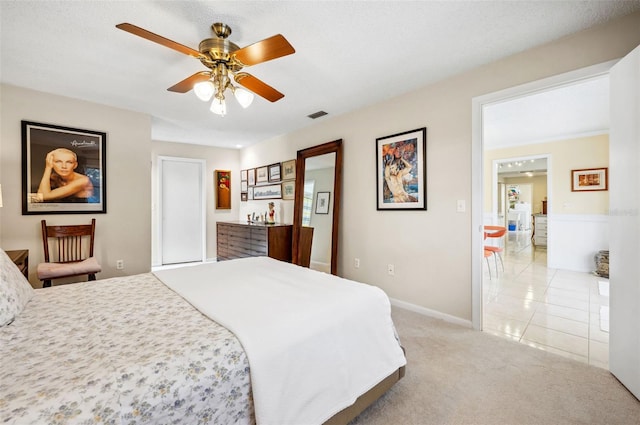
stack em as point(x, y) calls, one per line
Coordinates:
point(316, 212)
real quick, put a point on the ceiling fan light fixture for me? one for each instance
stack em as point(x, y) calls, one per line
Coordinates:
point(204, 90)
point(244, 97)
point(224, 59)
point(219, 107)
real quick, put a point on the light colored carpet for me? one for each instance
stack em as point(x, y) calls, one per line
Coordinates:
point(456, 375)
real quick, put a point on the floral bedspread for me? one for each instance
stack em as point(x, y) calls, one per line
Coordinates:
point(124, 350)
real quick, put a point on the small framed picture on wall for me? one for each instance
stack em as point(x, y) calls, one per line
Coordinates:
point(589, 180)
point(262, 174)
point(274, 172)
point(289, 170)
point(289, 190)
point(322, 202)
point(222, 180)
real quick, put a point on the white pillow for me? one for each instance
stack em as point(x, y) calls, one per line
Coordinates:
point(15, 290)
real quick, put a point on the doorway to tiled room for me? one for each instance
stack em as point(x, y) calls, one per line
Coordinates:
point(524, 299)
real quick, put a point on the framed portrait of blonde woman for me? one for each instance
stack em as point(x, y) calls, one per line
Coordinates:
point(63, 170)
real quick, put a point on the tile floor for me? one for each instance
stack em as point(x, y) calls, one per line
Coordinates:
point(559, 311)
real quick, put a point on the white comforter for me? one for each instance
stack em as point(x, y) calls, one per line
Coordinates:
point(315, 342)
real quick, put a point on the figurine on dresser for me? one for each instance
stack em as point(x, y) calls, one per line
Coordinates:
point(271, 215)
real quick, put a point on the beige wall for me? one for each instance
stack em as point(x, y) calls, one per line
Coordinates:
point(564, 156)
point(124, 232)
point(431, 250)
point(216, 159)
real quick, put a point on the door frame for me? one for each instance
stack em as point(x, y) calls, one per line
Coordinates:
point(477, 163)
point(203, 204)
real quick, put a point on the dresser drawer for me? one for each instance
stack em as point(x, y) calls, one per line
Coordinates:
point(240, 240)
point(259, 236)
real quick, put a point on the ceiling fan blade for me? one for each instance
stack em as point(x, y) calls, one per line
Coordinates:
point(258, 87)
point(159, 39)
point(265, 50)
point(187, 84)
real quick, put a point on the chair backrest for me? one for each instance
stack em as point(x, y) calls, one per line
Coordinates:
point(69, 243)
point(494, 231)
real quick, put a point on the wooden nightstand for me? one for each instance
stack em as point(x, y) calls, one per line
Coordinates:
point(21, 259)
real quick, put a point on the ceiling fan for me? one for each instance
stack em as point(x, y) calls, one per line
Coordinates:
point(225, 60)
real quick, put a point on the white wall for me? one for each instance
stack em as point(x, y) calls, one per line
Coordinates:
point(574, 240)
point(431, 250)
point(124, 232)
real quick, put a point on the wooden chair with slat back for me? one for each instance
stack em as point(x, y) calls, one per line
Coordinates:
point(68, 252)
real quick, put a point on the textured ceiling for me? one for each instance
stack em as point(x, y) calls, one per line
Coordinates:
point(348, 53)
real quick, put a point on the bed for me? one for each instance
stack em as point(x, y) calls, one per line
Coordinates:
point(235, 342)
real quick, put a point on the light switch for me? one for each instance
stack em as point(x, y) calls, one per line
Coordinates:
point(461, 206)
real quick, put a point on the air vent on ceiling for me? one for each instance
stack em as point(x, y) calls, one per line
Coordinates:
point(317, 115)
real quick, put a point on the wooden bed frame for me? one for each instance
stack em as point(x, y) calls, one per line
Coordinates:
point(367, 399)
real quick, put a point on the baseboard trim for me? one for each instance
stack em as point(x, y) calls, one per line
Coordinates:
point(431, 313)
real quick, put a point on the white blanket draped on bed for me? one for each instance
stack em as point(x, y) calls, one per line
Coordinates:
point(315, 342)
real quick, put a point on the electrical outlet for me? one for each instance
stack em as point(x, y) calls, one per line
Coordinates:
point(356, 263)
point(391, 269)
point(120, 264)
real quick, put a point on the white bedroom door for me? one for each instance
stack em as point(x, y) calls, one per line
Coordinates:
point(182, 210)
point(624, 227)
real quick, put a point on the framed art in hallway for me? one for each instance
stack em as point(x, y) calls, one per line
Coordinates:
point(63, 170)
point(272, 191)
point(589, 180)
point(289, 170)
point(401, 176)
point(274, 172)
point(289, 190)
point(222, 180)
point(262, 174)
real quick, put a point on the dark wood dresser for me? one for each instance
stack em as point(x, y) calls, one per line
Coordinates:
point(239, 239)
